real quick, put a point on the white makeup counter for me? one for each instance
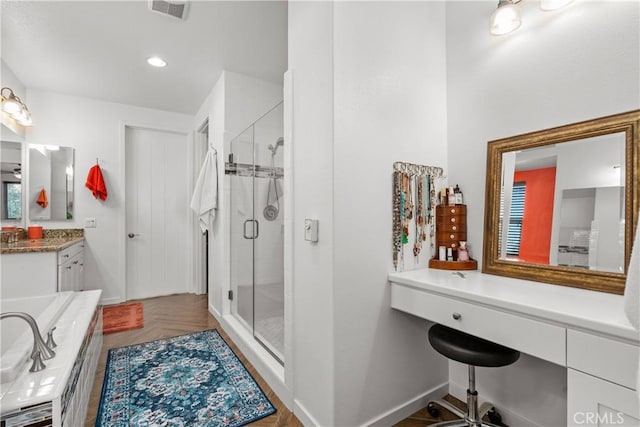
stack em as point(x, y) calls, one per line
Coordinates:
point(585, 331)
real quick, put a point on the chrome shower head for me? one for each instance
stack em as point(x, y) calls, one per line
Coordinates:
point(279, 143)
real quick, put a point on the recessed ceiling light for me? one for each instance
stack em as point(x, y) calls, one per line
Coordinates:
point(156, 61)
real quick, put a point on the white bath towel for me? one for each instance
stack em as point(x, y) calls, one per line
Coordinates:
point(632, 287)
point(205, 194)
point(632, 293)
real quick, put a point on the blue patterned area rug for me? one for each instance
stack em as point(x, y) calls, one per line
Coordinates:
point(190, 380)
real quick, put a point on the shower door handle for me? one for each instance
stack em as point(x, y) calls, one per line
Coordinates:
point(244, 229)
point(255, 229)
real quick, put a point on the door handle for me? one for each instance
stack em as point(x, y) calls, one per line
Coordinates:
point(132, 235)
point(255, 229)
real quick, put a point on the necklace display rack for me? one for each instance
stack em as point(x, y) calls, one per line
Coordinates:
point(414, 202)
point(415, 206)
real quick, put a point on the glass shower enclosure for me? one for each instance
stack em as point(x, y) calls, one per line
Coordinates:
point(255, 167)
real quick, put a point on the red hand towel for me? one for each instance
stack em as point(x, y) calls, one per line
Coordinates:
point(95, 183)
point(42, 199)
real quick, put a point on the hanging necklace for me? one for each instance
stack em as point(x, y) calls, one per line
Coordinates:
point(403, 218)
point(422, 213)
point(410, 205)
point(396, 238)
point(407, 207)
point(431, 209)
point(425, 207)
point(419, 223)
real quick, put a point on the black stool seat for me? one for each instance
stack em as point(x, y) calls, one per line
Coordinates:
point(470, 349)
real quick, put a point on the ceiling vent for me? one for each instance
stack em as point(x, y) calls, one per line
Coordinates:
point(177, 9)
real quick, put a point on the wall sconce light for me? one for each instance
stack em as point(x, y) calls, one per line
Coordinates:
point(506, 18)
point(14, 107)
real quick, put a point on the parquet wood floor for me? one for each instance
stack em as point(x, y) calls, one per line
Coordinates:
point(181, 314)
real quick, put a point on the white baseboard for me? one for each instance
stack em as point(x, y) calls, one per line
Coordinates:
point(215, 313)
point(270, 370)
point(509, 417)
point(407, 408)
point(303, 415)
point(386, 419)
point(110, 301)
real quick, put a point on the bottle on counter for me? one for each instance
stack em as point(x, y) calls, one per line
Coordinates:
point(451, 197)
point(458, 195)
point(463, 252)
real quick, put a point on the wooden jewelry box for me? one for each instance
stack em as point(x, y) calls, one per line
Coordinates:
point(451, 229)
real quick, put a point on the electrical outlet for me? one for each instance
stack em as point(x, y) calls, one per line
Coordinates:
point(89, 223)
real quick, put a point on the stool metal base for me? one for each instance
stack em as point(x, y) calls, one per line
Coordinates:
point(473, 417)
point(464, 421)
point(461, 423)
point(449, 407)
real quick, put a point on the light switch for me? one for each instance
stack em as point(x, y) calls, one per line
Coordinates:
point(311, 230)
point(89, 223)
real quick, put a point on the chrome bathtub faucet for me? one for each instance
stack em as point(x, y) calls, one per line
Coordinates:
point(40, 349)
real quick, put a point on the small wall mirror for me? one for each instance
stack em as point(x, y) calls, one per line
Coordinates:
point(11, 192)
point(50, 195)
point(562, 204)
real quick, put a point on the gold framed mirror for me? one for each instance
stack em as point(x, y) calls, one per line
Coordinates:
point(562, 204)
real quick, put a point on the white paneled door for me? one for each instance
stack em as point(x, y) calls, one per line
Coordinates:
point(157, 212)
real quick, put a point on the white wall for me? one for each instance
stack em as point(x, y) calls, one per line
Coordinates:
point(389, 105)
point(558, 68)
point(212, 110)
point(246, 100)
point(310, 62)
point(368, 89)
point(94, 129)
point(10, 130)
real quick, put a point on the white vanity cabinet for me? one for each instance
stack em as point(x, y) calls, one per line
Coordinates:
point(596, 402)
point(42, 268)
point(601, 381)
point(586, 332)
point(71, 268)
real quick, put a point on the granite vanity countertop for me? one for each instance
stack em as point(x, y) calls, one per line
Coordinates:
point(52, 244)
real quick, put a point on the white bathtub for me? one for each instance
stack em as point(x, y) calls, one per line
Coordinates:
point(17, 338)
